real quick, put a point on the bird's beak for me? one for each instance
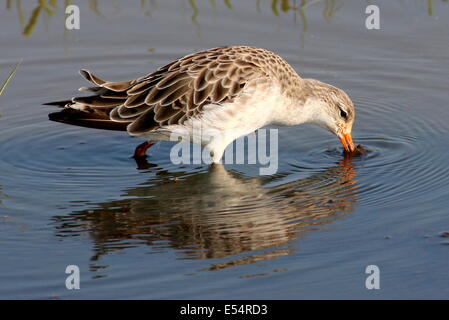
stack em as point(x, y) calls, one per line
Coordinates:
point(346, 141)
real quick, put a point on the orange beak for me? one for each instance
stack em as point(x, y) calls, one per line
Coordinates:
point(346, 141)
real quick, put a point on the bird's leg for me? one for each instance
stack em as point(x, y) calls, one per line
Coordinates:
point(141, 149)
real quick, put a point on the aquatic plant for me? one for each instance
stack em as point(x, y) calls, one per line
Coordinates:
point(2, 88)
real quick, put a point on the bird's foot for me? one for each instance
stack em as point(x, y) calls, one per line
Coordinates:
point(143, 164)
point(140, 155)
point(142, 148)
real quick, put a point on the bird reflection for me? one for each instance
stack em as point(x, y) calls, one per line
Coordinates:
point(217, 214)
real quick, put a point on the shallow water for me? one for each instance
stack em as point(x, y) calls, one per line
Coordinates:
point(72, 195)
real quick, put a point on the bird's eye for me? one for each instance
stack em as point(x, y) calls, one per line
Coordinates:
point(343, 114)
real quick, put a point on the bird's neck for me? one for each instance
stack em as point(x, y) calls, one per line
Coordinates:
point(291, 112)
point(296, 105)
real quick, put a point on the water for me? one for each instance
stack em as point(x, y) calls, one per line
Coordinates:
point(72, 195)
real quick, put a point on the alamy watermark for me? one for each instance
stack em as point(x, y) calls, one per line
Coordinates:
point(373, 280)
point(72, 282)
point(373, 20)
point(72, 21)
point(196, 145)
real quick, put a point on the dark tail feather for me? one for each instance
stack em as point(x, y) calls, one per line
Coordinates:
point(58, 103)
point(88, 120)
point(93, 111)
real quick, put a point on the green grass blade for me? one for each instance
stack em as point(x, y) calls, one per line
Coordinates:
point(10, 76)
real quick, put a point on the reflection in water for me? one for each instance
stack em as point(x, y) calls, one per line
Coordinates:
point(297, 9)
point(216, 214)
point(49, 8)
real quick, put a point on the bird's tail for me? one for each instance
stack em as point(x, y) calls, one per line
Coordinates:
point(93, 111)
point(86, 119)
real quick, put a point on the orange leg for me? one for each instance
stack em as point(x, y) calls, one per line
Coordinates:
point(142, 148)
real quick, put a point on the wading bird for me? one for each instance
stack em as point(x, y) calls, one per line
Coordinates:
point(234, 90)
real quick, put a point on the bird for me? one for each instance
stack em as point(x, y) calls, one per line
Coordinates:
point(229, 91)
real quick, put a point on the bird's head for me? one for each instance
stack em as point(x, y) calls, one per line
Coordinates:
point(332, 109)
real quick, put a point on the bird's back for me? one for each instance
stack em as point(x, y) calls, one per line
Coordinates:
point(177, 91)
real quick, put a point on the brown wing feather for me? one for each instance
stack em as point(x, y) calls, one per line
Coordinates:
point(187, 85)
point(173, 93)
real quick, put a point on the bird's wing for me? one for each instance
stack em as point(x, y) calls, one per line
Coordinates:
point(173, 93)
